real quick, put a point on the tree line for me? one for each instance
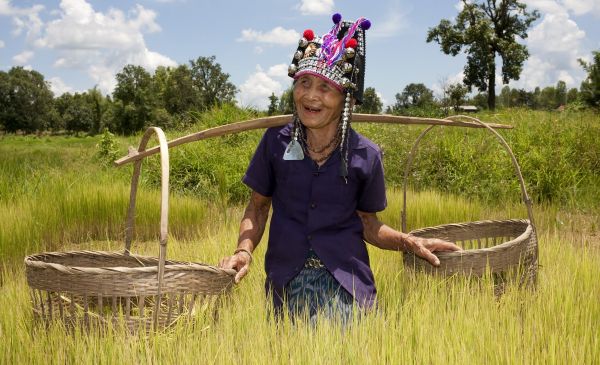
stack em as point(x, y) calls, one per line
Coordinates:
point(416, 99)
point(169, 97)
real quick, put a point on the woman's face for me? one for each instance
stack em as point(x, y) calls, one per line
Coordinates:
point(318, 104)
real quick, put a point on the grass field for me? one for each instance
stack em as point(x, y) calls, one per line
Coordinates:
point(55, 196)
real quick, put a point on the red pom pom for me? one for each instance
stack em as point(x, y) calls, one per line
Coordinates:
point(309, 35)
point(351, 43)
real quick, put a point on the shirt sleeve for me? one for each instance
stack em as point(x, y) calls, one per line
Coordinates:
point(372, 198)
point(259, 175)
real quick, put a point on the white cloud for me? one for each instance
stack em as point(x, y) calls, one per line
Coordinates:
point(315, 7)
point(257, 88)
point(392, 24)
point(555, 44)
point(278, 35)
point(546, 6)
point(24, 19)
point(1, 43)
point(582, 7)
point(438, 87)
point(23, 57)
point(101, 43)
point(383, 100)
point(279, 71)
point(144, 19)
point(58, 86)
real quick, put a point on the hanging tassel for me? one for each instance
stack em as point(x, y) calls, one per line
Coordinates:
point(293, 151)
point(345, 132)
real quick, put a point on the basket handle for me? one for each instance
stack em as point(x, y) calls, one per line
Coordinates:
point(164, 198)
point(413, 151)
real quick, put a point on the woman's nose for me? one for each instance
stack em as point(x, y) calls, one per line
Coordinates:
point(312, 93)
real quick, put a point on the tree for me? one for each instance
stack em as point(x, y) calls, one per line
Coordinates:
point(137, 98)
point(480, 100)
point(456, 94)
point(572, 95)
point(79, 116)
point(487, 29)
point(548, 98)
point(98, 104)
point(590, 87)
point(273, 100)
point(286, 101)
point(560, 97)
point(211, 83)
point(413, 95)
point(371, 102)
point(25, 100)
point(505, 97)
point(537, 98)
point(178, 93)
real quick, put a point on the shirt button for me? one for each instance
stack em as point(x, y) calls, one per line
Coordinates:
point(313, 205)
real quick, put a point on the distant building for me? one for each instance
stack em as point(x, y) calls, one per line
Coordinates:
point(467, 109)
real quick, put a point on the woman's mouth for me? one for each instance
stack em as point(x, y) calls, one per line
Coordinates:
point(311, 109)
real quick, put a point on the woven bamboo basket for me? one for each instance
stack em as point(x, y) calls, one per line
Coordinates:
point(505, 248)
point(95, 288)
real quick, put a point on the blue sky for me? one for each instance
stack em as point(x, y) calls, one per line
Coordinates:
point(77, 44)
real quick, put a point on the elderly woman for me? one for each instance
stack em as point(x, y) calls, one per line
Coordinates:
point(325, 183)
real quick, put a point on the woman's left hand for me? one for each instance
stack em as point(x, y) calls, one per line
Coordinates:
point(424, 247)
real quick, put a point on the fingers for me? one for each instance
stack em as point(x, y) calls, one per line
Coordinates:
point(227, 263)
point(237, 263)
point(426, 247)
point(429, 256)
point(241, 273)
point(440, 245)
point(449, 246)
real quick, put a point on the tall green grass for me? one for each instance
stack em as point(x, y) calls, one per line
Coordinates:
point(54, 196)
point(559, 155)
point(421, 319)
point(53, 192)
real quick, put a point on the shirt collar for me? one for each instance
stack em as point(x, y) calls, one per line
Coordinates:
point(356, 142)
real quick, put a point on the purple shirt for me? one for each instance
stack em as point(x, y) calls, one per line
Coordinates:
point(313, 207)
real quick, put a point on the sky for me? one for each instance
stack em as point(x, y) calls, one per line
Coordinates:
point(80, 44)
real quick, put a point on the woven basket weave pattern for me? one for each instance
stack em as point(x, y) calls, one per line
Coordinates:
point(95, 288)
point(496, 246)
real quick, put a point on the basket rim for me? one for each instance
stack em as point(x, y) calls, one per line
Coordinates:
point(34, 261)
point(451, 254)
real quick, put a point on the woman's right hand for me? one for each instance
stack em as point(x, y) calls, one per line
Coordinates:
point(239, 261)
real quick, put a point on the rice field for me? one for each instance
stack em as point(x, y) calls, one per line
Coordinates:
point(53, 198)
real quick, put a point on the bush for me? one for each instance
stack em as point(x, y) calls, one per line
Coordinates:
point(212, 168)
point(108, 150)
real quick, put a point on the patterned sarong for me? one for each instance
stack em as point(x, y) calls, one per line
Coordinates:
point(315, 292)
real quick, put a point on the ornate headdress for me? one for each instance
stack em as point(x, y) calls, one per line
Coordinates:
point(339, 58)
